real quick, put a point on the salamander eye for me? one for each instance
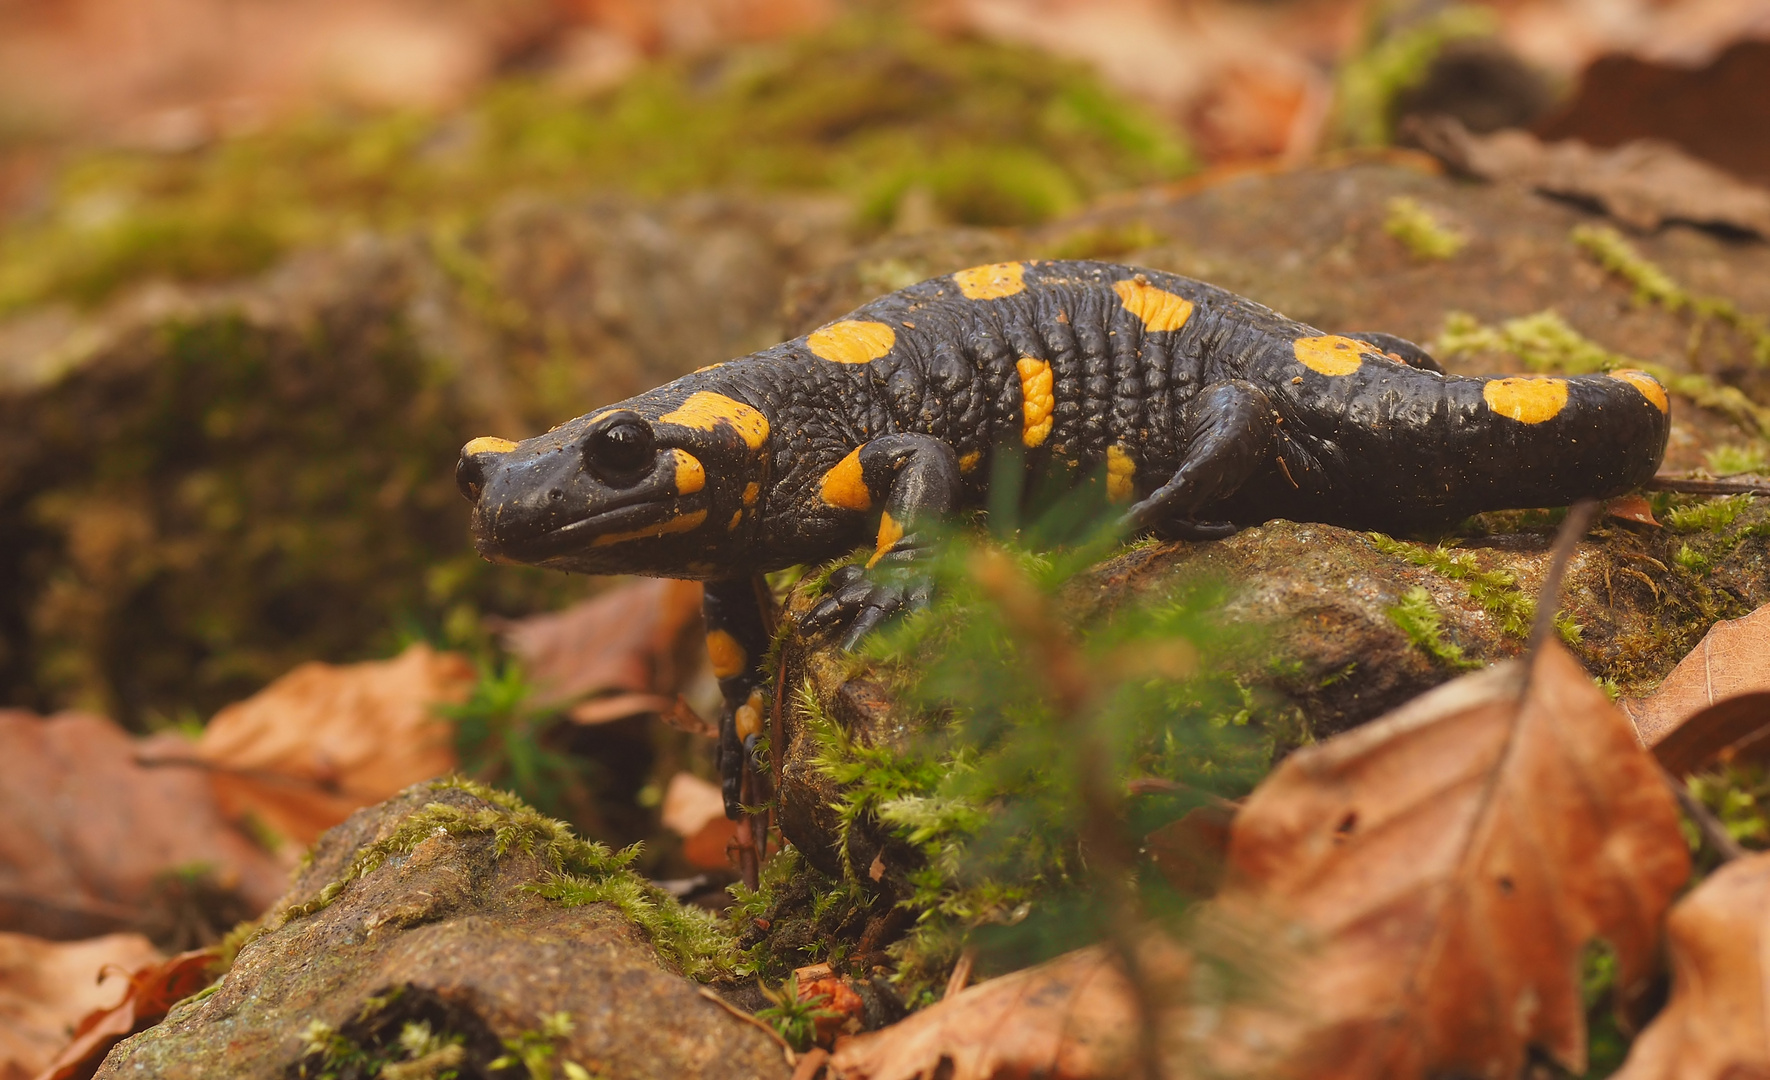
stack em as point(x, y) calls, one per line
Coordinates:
point(620, 452)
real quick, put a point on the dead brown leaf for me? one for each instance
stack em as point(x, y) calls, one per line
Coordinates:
point(47, 986)
point(1631, 508)
point(1444, 866)
point(152, 991)
point(695, 810)
point(1066, 1019)
point(325, 740)
point(1643, 184)
point(1684, 721)
point(637, 640)
point(90, 833)
point(1717, 1022)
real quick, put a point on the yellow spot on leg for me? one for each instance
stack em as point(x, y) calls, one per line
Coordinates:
point(737, 518)
point(705, 411)
point(685, 523)
point(969, 461)
point(1119, 471)
point(1647, 384)
point(487, 444)
point(751, 490)
point(727, 655)
point(1158, 308)
point(1530, 399)
point(690, 477)
point(748, 719)
point(852, 341)
point(1037, 399)
point(890, 532)
point(991, 282)
point(843, 486)
point(1330, 354)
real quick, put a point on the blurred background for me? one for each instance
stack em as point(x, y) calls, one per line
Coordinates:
point(266, 264)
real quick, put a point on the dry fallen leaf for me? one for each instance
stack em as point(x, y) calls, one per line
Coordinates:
point(631, 643)
point(1443, 868)
point(152, 991)
point(695, 810)
point(1631, 508)
point(1732, 659)
point(46, 987)
point(1066, 1019)
point(1717, 1021)
point(1643, 184)
point(325, 740)
point(90, 832)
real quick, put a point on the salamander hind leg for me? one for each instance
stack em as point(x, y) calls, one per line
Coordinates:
point(1229, 431)
point(919, 478)
point(1399, 348)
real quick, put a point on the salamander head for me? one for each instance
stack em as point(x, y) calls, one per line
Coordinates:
point(640, 488)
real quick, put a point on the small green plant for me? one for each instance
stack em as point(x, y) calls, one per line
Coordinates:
point(501, 738)
point(1390, 64)
point(1733, 460)
point(793, 1017)
point(1495, 590)
point(1710, 515)
point(536, 1050)
point(1418, 618)
point(1653, 285)
point(1421, 233)
point(1693, 560)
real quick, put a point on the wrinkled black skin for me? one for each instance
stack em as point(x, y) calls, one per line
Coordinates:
point(1226, 428)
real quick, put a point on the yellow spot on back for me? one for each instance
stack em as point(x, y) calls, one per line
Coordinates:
point(844, 487)
point(991, 282)
point(1330, 354)
point(727, 655)
point(1647, 384)
point(690, 477)
point(890, 532)
point(751, 490)
point(685, 523)
point(1158, 308)
point(1037, 399)
point(487, 444)
point(969, 461)
point(705, 411)
point(1119, 471)
point(852, 341)
point(1530, 399)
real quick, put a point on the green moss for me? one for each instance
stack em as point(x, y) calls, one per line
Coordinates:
point(574, 872)
point(1495, 590)
point(1733, 460)
point(1710, 515)
point(1653, 285)
point(1421, 233)
point(1104, 242)
point(1390, 64)
point(1417, 616)
point(1692, 560)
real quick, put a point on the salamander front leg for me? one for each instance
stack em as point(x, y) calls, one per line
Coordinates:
point(1229, 432)
point(737, 638)
point(918, 476)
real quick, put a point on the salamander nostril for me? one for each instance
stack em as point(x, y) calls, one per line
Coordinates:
point(555, 494)
point(470, 477)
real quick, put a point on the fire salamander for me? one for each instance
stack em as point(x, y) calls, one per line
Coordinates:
point(1202, 410)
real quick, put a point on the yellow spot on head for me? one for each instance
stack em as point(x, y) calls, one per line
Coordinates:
point(1530, 399)
point(748, 718)
point(690, 477)
point(852, 341)
point(487, 444)
point(991, 282)
point(1158, 308)
point(1037, 399)
point(727, 655)
point(685, 523)
point(1647, 384)
point(1119, 471)
point(969, 461)
point(737, 518)
point(844, 487)
point(751, 490)
point(890, 532)
point(705, 411)
point(1330, 354)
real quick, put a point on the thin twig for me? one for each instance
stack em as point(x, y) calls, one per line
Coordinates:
point(1713, 832)
point(753, 1021)
point(1548, 601)
point(961, 975)
point(1708, 487)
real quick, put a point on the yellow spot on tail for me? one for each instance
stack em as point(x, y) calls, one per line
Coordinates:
point(991, 282)
point(748, 718)
point(1640, 380)
point(685, 523)
point(487, 444)
point(690, 477)
point(1530, 399)
point(1119, 471)
point(1330, 354)
point(1037, 399)
point(751, 490)
point(727, 655)
point(1158, 308)
point(969, 461)
point(890, 532)
point(844, 487)
point(852, 341)
point(705, 411)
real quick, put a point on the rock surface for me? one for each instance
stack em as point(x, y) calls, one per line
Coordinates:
point(474, 953)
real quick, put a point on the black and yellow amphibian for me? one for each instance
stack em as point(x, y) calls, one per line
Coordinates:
point(1206, 410)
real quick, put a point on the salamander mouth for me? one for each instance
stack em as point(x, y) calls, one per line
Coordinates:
point(510, 542)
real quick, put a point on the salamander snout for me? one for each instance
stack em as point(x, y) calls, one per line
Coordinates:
point(476, 457)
